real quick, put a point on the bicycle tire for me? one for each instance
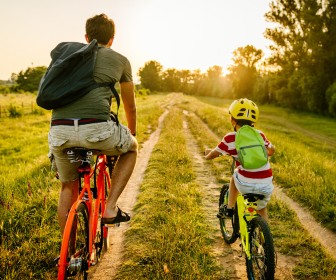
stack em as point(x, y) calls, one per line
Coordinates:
point(102, 238)
point(99, 238)
point(77, 247)
point(228, 226)
point(104, 228)
point(262, 262)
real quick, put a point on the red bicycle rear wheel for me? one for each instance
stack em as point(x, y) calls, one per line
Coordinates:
point(73, 262)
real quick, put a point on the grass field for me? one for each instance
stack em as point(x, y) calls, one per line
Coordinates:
point(170, 201)
point(29, 191)
point(305, 158)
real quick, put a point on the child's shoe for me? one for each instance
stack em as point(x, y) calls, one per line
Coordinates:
point(225, 212)
point(229, 213)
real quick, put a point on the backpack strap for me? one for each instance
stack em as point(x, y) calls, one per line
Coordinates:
point(116, 96)
point(111, 86)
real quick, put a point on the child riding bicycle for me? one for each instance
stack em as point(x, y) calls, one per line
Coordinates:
point(259, 181)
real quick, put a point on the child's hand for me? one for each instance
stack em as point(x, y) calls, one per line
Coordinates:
point(210, 154)
point(207, 151)
point(270, 150)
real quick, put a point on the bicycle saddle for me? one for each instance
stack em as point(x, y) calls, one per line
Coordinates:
point(80, 154)
point(81, 150)
point(252, 197)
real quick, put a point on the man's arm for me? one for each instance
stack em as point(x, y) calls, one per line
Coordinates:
point(128, 98)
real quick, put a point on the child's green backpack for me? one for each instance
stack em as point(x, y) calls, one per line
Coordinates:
point(250, 146)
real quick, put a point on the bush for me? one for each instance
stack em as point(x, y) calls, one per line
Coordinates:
point(14, 112)
point(142, 92)
point(5, 89)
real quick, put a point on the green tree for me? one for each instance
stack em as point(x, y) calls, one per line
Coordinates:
point(150, 75)
point(29, 79)
point(243, 71)
point(171, 80)
point(303, 51)
point(196, 83)
point(214, 75)
point(186, 80)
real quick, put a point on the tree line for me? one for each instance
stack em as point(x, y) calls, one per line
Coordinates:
point(300, 73)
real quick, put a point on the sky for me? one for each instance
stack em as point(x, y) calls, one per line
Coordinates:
point(180, 34)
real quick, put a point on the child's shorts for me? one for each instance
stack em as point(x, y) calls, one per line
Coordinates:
point(265, 189)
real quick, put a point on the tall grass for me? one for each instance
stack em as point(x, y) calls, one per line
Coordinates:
point(311, 261)
point(169, 238)
point(28, 200)
point(29, 194)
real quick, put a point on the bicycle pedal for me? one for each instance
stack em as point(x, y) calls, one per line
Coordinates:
point(112, 225)
point(220, 215)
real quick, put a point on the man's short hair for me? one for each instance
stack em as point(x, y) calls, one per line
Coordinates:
point(101, 28)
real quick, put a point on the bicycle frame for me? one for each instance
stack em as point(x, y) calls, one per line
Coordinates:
point(86, 197)
point(246, 212)
point(252, 230)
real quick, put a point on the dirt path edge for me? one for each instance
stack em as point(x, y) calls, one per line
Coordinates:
point(112, 259)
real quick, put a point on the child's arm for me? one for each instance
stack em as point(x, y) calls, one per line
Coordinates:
point(210, 154)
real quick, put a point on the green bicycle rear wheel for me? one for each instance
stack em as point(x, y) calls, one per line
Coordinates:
point(261, 266)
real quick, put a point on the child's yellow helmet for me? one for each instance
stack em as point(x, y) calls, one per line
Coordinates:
point(244, 109)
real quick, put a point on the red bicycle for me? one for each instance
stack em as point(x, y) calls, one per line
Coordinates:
point(84, 237)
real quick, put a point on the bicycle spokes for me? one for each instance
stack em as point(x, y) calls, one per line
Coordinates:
point(74, 253)
point(258, 254)
point(261, 264)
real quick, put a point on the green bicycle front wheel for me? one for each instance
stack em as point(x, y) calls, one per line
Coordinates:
point(261, 265)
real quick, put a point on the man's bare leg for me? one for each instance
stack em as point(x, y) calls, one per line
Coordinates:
point(68, 196)
point(120, 176)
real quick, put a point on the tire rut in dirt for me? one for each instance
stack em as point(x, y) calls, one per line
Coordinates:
point(112, 259)
point(233, 266)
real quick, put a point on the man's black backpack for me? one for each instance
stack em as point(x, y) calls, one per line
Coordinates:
point(70, 75)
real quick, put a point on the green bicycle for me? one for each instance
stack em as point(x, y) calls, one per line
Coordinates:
point(253, 231)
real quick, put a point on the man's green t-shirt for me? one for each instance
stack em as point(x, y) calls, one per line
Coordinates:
point(110, 67)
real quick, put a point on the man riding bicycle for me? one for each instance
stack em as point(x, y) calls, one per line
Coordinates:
point(86, 123)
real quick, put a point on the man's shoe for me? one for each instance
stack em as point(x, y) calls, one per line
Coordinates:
point(120, 218)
